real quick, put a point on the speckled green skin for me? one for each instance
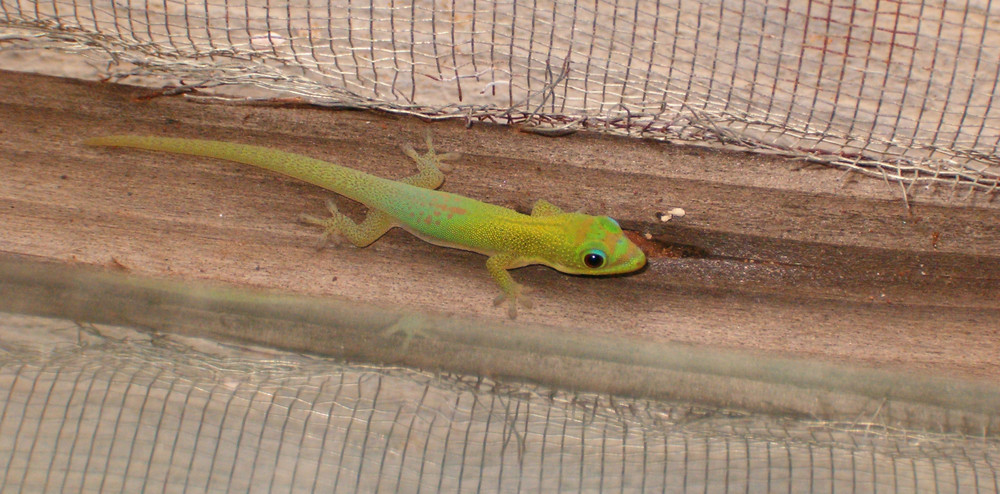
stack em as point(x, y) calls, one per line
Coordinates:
point(549, 236)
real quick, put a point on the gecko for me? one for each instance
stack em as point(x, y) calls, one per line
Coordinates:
point(570, 242)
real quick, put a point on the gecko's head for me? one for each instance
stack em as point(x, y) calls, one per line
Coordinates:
point(599, 248)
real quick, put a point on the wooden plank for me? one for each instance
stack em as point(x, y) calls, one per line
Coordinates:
point(781, 260)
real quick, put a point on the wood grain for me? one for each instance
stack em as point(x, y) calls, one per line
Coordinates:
point(772, 257)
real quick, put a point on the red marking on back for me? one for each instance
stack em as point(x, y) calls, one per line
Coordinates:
point(427, 219)
point(449, 209)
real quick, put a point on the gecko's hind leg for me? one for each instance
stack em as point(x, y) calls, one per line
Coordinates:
point(431, 165)
point(360, 234)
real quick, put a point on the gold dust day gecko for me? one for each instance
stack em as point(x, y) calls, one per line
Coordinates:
point(573, 243)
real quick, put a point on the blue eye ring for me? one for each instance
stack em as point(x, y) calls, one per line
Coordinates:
point(594, 258)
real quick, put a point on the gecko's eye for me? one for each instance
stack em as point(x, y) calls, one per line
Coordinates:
point(594, 259)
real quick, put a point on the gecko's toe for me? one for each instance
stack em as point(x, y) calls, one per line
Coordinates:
point(442, 158)
point(513, 301)
point(331, 206)
point(328, 230)
point(511, 304)
point(311, 220)
point(409, 151)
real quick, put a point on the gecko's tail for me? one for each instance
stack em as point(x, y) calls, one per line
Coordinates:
point(330, 176)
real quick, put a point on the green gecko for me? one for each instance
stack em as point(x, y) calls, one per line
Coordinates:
point(573, 243)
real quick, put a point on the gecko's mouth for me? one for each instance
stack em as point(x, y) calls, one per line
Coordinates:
point(635, 262)
point(631, 258)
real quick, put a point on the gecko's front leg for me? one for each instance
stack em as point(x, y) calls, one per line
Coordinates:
point(512, 292)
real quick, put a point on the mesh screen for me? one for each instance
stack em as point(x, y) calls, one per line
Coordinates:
point(900, 90)
point(102, 409)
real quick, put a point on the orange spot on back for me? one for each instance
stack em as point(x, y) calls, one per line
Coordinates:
point(451, 210)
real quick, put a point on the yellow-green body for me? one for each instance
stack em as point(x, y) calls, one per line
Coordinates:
point(569, 242)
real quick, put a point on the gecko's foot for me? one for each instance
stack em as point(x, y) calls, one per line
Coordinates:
point(330, 226)
point(514, 298)
point(430, 159)
point(328, 229)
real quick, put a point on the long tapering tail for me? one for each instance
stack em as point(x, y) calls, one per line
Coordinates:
point(339, 179)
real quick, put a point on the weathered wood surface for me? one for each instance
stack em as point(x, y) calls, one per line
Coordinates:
point(782, 259)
